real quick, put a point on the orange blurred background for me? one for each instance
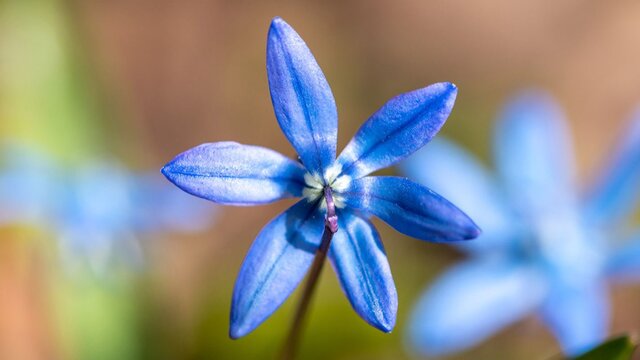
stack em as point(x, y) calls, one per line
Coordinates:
point(164, 76)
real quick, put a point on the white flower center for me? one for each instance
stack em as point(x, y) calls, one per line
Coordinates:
point(332, 178)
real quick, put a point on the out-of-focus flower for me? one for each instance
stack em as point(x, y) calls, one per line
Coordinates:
point(544, 248)
point(26, 184)
point(234, 174)
point(97, 211)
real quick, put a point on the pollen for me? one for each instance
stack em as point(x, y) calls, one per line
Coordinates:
point(333, 178)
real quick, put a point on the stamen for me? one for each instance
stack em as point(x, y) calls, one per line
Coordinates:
point(331, 219)
point(332, 173)
point(341, 183)
point(313, 181)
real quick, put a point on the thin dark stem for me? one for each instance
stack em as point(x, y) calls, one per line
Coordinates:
point(331, 226)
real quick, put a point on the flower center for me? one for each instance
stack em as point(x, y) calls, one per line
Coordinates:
point(332, 180)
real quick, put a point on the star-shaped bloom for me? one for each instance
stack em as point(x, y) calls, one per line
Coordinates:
point(97, 211)
point(234, 174)
point(545, 249)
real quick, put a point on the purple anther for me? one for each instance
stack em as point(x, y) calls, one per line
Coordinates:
point(331, 219)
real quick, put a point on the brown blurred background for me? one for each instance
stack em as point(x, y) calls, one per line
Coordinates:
point(174, 74)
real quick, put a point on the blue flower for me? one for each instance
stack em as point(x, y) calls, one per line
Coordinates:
point(234, 174)
point(544, 249)
point(97, 211)
point(25, 184)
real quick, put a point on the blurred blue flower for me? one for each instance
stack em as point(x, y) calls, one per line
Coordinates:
point(234, 174)
point(97, 211)
point(544, 249)
point(25, 184)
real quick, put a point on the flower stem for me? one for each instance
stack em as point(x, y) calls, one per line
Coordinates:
point(331, 226)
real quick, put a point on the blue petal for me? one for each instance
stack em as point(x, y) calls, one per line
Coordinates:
point(302, 100)
point(617, 192)
point(578, 315)
point(98, 196)
point(624, 264)
point(403, 125)
point(471, 302)
point(359, 259)
point(458, 176)
point(235, 174)
point(28, 184)
point(411, 209)
point(533, 154)
point(95, 217)
point(277, 261)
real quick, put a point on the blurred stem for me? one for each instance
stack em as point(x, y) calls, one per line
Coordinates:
point(292, 341)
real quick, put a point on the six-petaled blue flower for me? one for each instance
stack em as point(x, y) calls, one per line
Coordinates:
point(97, 211)
point(235, 174)
point(544, 249)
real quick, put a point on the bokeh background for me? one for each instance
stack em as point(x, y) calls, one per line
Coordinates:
point(140, 81)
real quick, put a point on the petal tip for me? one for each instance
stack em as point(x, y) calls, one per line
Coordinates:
point(447, 92)
point(386, 320)
point(387, 327)
point(171, 172)
point(453, 91)
point(385, 323)
point(452, 87)
point(277, 20)
point(277, 23)
point(167, 171)
point(447, 87)
point(238, 327)
point(473, 232)
point(236, 332)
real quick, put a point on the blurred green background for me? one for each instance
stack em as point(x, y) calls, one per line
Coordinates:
point(143, 80)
